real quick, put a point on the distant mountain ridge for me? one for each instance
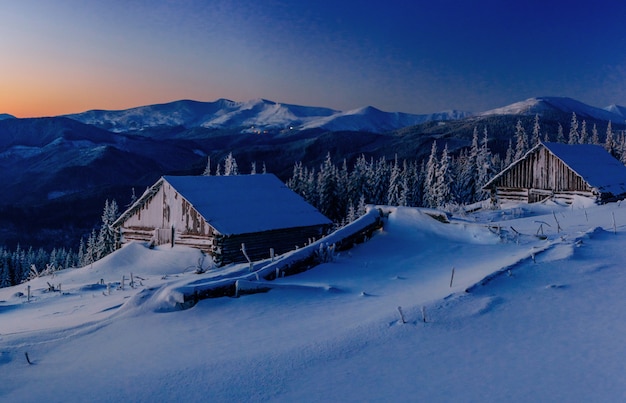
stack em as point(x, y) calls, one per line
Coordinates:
point(255, 116)
point(262, 115)
point(545, 105)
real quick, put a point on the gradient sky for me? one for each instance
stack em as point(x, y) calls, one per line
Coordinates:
point(67, 56)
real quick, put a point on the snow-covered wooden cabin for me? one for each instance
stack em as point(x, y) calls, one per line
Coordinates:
point(561, 171)
point(218, 214)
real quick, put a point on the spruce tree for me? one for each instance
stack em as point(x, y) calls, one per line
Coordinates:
point(394, 189)
point(207, 169)
point(361, 180)
point(609, 143)
point(508, 158)
point(403, 199)
point(107, 236)
point(536, 132)
point(583, 133)
point(361, 207)
point(560, 138)
point(430, 180)
point(81, 253)
point(573, 130)
point(521, 140)
point(595, 137)
point(230, 165)
point(91, 250)
point(328, 190)
point(462, 186)
point(484, 168)
point(622, 148)
point(443, 179)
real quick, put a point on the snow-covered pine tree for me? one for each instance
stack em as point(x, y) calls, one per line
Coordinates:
point(560, 137)
point(6, 270)
point(536, 132)
point(361, 207)
point(474, 148)
point(107, 236)
point(622, 148)
point(383, 173)
point(582, 139)
point(207, 169)
point(328, 190)
point(53, 264)
point(359, 179)
point(609, 143)
point(351, 215)
point(510, 153)
point(310, 186)
point(91, 250)
point(81, 252)
point(573, 130)
point(296, 182)
point(484, 167)
point(415, 184)
point(521, 140)
point(403, 199)
point(69, 260)
point(462, 187)
point(443, 179)
point(343, 178)
point(430, 181)
point(230, 165)
point(253, 168)
point(496, 164)
point(595, 137)
point(393, 191)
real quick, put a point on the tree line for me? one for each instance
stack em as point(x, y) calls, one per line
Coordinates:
point(21, 264)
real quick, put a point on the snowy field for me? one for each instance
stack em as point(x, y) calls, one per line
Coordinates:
point(534, 312)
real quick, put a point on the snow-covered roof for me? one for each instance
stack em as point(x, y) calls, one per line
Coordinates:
point(591, 162)
point(242, 204)
point(594, 164)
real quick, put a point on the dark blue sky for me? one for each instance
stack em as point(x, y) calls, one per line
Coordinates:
point(411, 56)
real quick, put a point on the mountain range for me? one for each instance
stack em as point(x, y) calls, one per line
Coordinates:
point(58, 171)
point(255, 116)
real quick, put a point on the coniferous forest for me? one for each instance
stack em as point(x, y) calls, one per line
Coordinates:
point(340, 191)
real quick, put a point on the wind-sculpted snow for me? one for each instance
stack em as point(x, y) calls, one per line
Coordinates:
point(496, 305)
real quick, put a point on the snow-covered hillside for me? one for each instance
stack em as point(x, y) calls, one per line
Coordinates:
point(254, 116)
point(533, 311)
point(543, 105)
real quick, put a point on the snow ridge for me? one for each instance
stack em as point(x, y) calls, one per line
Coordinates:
point(254, 116)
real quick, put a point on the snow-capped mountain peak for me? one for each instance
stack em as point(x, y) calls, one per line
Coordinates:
point(546, 105)
point(255, 115)
point(617, 110)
